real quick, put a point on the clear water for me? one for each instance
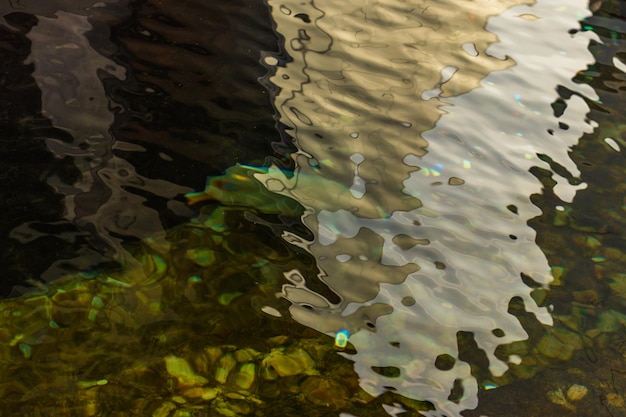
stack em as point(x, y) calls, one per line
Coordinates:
point(442, 184)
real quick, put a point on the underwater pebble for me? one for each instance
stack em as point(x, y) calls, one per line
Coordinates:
point(576, 392)
point(201, 392)
point(557, 397)
point(246, 375)
point(246, 355)
point(592, 242)
point(560, 344)
point(164, 410)
point(225, 365)
point(325, 392)
point(288, 363)
point(615, 400)
point(180, 368)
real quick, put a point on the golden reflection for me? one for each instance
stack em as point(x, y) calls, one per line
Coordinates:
point(398, 111)
point(354, 85)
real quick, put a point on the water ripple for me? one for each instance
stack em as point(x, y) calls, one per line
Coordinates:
point(416, 130)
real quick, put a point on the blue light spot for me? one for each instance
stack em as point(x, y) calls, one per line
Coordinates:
point(341, 339)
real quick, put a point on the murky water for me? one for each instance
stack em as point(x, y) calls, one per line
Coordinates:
point(441, 184)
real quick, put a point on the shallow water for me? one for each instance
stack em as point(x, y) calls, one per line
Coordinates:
point(438, 181)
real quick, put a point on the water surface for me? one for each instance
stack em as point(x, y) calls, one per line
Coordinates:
point(438, 181)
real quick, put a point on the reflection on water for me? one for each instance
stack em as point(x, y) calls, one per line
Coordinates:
point(426, 139)
point(422, 231)
point(127, 133)
point(104, 199)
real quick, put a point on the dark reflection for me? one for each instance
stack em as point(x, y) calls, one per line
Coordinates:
point(195, 89)
point(25, 161)
point(111, 111)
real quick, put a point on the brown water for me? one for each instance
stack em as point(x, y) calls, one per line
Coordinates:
point(439, 181)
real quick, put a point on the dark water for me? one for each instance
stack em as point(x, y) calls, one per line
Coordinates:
point(111, 113)
point(435, 179)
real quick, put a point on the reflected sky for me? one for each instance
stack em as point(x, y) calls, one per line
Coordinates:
point(416, 130)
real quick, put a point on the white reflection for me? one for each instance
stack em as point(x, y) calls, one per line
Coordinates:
point(435, 223)
point(611, 142)
point(619, 64)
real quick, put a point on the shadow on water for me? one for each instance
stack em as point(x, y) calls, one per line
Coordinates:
point(385, 186)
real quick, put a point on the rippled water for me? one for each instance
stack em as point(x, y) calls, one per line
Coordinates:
point(424, 223)
point(124, 109)
point(440, 182)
